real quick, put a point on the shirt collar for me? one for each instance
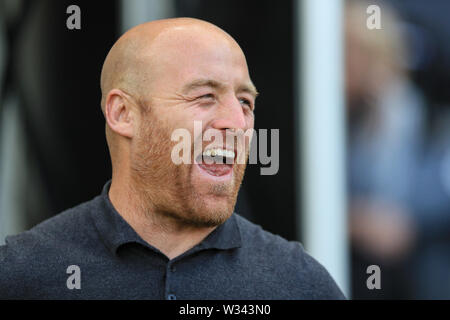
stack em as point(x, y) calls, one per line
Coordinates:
point(115, 231)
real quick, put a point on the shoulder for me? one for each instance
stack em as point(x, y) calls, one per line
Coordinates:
point(288, 262)
point(27, 256)
point(63, 228)
point(255, 237)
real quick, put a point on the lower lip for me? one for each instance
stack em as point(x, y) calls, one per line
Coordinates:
point(223, 175)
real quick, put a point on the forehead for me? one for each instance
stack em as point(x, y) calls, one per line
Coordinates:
point(180, 56)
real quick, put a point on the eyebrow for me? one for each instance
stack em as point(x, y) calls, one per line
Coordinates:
point(248, 88)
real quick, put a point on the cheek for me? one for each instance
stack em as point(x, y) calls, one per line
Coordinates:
point(185, 119)
point(154, 138)
point(250, 121)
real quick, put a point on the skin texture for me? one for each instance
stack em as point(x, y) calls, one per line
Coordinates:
point(148, 92)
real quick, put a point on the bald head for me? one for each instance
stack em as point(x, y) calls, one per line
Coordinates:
point(132, 62)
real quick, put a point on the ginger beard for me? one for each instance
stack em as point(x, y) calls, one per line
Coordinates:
point(179, 191)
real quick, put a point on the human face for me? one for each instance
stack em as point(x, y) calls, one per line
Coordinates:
point(202, 78)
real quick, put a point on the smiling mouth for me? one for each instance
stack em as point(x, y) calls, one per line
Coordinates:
point(217, 162)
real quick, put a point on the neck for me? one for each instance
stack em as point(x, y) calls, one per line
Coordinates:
point(165, 233)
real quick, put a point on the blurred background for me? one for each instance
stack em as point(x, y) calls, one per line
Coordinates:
point(363, 114)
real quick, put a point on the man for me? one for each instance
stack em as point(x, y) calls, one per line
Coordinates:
point(160, 229)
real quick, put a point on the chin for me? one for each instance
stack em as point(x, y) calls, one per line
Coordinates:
point(211, 212)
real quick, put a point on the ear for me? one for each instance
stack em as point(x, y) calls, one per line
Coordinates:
point(119, 113)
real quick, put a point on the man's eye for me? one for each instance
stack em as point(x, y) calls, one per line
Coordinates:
point(206, 96)
point(246, 102)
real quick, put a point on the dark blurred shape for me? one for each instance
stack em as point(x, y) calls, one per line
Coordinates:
point(427, 29)
point(384, 117)
point(56, 74)
point(398, 155)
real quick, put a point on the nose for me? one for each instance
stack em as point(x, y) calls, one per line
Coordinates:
point(230, 115)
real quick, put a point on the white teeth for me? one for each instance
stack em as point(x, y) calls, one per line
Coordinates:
point(219, 153)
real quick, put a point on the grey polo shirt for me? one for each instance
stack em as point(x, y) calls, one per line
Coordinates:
point(91, 252)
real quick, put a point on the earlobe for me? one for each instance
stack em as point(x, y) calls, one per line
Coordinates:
point(118, 113)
